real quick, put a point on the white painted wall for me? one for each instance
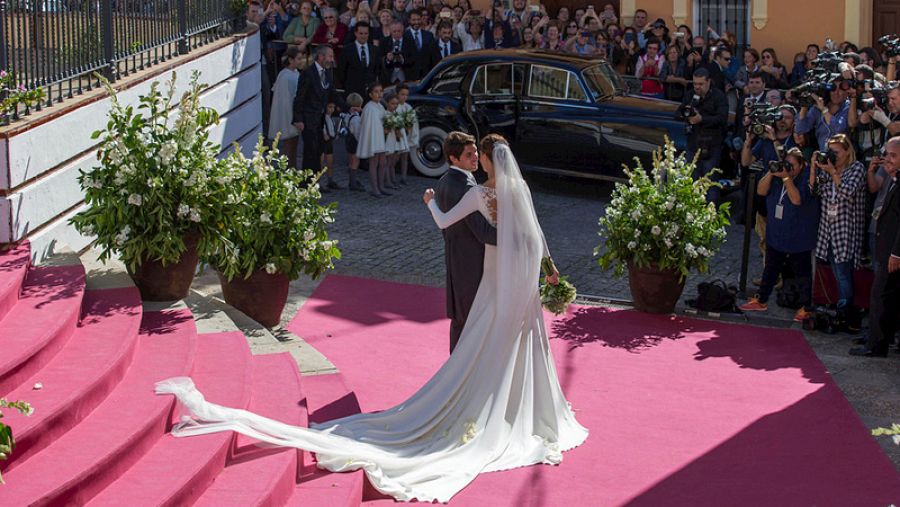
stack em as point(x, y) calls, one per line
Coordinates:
point(41, 165)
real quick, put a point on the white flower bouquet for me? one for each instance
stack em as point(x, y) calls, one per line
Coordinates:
point(662, 218)
point(556, 298)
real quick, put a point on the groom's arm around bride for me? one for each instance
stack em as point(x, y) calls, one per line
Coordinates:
point(463, 241)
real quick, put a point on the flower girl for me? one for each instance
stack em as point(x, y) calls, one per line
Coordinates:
point(395, 138)
point(371, 140)
point(412, 130)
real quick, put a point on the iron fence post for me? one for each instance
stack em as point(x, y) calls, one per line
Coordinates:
point(4, 47)
point(181, 5)
point(106, 36)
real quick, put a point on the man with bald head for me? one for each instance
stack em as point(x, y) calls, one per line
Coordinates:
point(884, 313)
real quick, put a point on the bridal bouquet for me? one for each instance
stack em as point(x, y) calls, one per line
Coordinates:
point(556, 298)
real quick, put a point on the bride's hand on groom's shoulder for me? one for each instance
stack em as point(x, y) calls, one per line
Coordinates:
point(428, 195)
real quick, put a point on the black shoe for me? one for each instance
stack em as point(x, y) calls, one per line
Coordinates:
point(404, 182)
point(864, 351)
point(862, 340)
point(333, 185)
point(376, 195)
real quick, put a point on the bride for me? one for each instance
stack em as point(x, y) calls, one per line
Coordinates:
point(496, 403)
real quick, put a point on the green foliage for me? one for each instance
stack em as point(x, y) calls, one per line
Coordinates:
point(662, 218)
point(893, 432)
point(7, 442)
point(15, 95)
point(556, 298)
point(157, 179)
point(274, 220)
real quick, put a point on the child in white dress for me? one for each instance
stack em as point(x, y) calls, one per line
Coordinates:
point(371, 140)
point(394, 143)
point(412, 134)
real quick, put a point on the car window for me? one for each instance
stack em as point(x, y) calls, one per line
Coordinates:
point(448, 81)
point(603, 81)
point(496, 79)
point(553, 83)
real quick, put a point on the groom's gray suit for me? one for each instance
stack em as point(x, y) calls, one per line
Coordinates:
point(463, 249)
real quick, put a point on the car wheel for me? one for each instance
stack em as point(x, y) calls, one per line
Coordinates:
point(429, 159)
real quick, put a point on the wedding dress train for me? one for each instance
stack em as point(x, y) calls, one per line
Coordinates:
point(495, 404)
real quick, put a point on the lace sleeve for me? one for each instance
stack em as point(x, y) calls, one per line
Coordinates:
point(465, 207)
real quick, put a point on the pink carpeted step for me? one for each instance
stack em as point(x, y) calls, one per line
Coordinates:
point(91, 455)
point(327, 397)
point(13, 266)
point(176, 471)
point(259, 474)
point(83, 373)
point(40, 323)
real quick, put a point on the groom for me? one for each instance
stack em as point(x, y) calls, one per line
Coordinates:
point(463, 241)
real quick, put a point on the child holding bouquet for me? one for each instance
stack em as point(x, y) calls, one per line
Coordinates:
point(371, 140)
point(394, 138)
point(411, 129)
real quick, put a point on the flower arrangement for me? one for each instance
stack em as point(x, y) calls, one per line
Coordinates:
point(556, 298)
point(893, 432)
point(157, 181)
point(7, 442)
point(393, 121)
point(274, 219)
point(409, 119)
point(662, 218)
point(14, 95)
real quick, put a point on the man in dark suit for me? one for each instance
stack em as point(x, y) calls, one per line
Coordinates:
point(721, 59)
point(397, 55)
point(359, 64)
point(463, 241)
point(315, 91)
point(883, 313)
point(422, 44)
point(445, 45)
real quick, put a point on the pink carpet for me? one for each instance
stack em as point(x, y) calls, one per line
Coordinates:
point(681, 411)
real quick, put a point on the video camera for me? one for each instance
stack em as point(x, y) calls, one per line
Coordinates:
point(821, 79)
point(761, 116)
point(891, 45)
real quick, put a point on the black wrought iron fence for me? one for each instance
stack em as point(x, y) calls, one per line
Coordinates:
point(58, 45)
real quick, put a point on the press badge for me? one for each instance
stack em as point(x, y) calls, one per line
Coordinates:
point(876, 213)
point(779, 211)
point(832, 211)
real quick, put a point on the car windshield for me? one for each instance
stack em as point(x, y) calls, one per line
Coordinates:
point(603, 81)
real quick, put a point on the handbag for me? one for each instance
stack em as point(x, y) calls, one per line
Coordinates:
point(715, 296)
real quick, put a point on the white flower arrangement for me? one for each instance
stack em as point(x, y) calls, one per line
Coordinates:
point(662, 218)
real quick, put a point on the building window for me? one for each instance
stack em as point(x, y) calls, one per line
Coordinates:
point(725, 15)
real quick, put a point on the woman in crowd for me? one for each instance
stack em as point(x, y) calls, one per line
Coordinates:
point(563, 17)
point(301, 29)
point(552, 42)
point(649, 68)
point(331, 31)
point(571, 29)
point(529, 39)
point(385, 18)
point(776, 74)
point(629, 49)
point(349, 15)
point(470, 31)
point(280, 118)
point(674, 74)
point(372, 140)
point(841, 187)
point(750, 65)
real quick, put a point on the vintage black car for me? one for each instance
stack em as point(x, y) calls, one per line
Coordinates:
point(561, 113)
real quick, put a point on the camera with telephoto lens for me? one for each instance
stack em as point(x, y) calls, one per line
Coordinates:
point(690, 109)
point(891, 45)
point(762, 116)
point(829, 61)
point(879, 97)
point(779, 166)
point(821, 80)
point(824, 157)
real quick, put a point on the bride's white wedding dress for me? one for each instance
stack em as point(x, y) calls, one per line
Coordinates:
point(495, 404)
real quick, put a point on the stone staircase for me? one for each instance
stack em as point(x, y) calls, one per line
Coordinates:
point(86, 354)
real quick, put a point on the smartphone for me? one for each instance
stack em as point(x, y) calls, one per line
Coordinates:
point(445, 14)
point(534, 8)
point(679, 35)
point(629, 37)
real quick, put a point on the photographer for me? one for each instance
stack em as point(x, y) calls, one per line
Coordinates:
point(706, 114)
point(840, 182)
point(866, 116)
point(827, 120)
point(791, 233)
point(893, 95)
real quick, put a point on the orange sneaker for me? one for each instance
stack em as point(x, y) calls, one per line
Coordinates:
point(754, 305)
point(802, 315)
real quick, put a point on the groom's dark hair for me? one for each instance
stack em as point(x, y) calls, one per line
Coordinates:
point(455, 143)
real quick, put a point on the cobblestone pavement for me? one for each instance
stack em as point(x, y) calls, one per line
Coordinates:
point(395, 239)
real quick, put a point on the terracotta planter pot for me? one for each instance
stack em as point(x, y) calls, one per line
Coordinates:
point(654, 290)
point(261, 297)
point(172, 281)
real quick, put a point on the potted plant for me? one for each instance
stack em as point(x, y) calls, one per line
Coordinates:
point(660, 227)
point(276, 231)
point(157, 195)
point(7, 442)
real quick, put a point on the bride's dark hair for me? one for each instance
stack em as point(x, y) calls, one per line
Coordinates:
point(489, 141)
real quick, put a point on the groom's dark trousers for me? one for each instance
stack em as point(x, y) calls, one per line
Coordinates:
point(463, 251)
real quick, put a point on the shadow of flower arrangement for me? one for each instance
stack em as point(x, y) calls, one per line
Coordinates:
point(623, 329)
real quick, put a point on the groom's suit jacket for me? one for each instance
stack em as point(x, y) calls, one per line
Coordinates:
point(463, 245)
